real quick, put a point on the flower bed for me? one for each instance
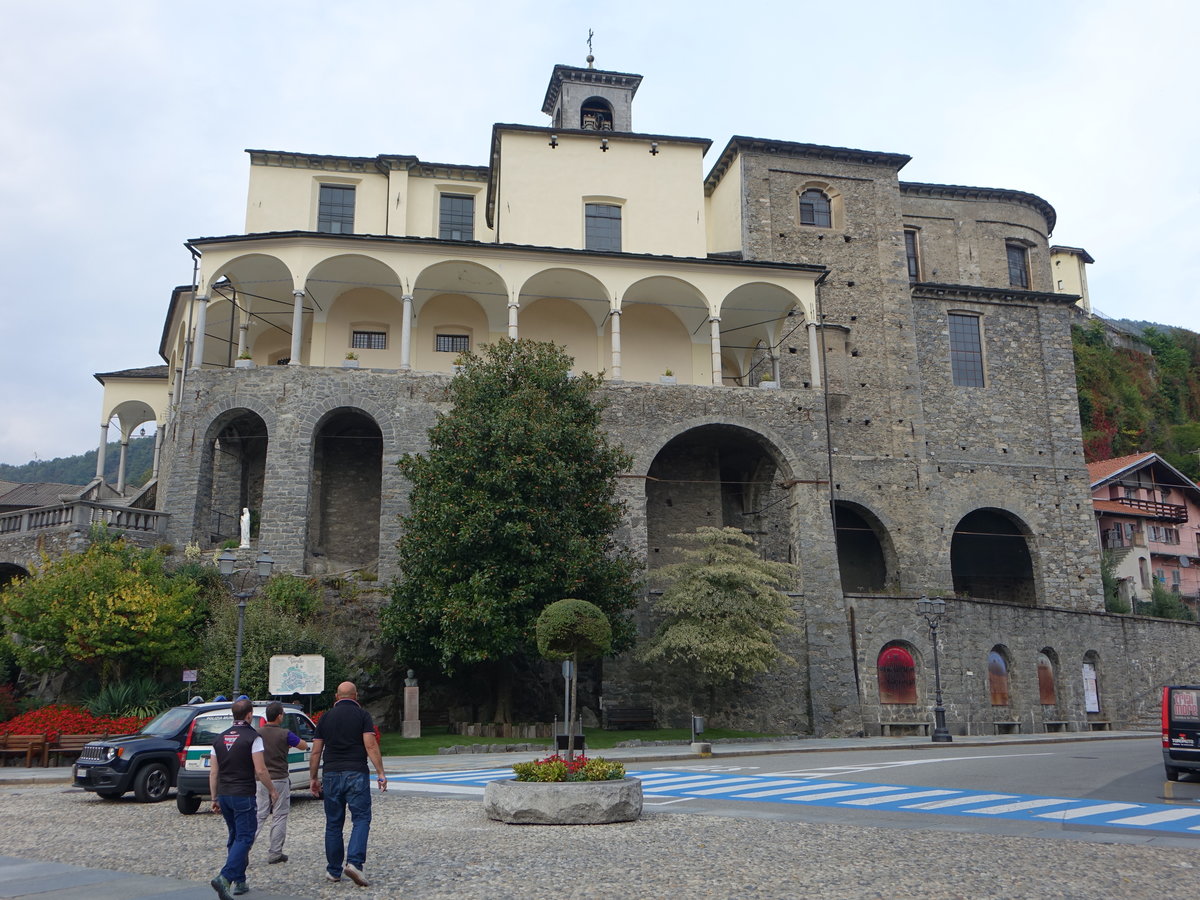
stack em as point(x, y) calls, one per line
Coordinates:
point(555, 791)
point(58, 719)
point(555, 768)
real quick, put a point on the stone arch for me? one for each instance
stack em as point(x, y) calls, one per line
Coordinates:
point(866, 555)
point(595, 114)
point(350, 293)
point(718, 475)
point(9, 571)
point(664, 325)
point(343, 525)
point(233, 464)
point(255, 289)
point(755, 319)
point(990, 557)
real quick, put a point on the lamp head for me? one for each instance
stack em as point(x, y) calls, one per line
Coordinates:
point(226, 561)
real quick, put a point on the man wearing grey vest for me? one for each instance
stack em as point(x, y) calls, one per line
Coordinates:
point(277, 741)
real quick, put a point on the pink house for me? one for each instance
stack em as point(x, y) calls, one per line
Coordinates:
point(1148, 514)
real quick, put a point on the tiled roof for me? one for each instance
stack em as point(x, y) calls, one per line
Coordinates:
point(1106, 468)
point(40, 493)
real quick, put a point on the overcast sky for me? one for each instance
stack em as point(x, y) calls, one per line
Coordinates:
point(122, 126)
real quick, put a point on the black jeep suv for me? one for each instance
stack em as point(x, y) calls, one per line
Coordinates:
point(146, 763)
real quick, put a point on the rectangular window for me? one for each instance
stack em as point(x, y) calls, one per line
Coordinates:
point(911, 252)
point(966, 351)
point(602, 227)
point(1018, 266)
point(369, 340)
point(456, 218)
point(335, 209)
point(452, 343)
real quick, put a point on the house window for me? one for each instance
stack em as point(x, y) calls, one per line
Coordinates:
point(912, 254)
point(368, 340)
point(897, 676)
point(1045, 670)
point(335, 209)
point(456, 218)
point(1018, 266)
point(602, 227)
point(998, 678)
point(452, 343)
point(966, 351)
point(815, 209)
point(1175, 580)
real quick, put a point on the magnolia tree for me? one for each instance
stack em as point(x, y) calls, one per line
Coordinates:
point(573, 630)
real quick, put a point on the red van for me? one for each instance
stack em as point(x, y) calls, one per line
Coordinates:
point(1181, 730)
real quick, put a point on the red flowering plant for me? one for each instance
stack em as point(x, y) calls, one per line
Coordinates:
point(556, 768)
point(59, 719)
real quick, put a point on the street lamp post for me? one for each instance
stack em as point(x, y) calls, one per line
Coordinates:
point(932, 611)
point(226, 564)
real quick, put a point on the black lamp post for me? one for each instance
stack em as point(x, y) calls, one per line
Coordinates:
point(226, 564)
point(932, 611)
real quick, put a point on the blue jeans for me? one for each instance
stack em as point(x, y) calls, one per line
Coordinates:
point(341, 790)
point(241, 818)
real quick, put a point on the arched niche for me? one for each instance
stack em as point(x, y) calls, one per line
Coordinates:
point(232, 471)
point(990, 558)
point(347, 477)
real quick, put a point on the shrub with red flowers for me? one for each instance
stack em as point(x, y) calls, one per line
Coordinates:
point(556, 768)
point(59, 718)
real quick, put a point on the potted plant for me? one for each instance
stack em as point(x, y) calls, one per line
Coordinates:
point(351, 361)
point(243, 361)
point(556, 791)
point(768, 383)
point(667, 377)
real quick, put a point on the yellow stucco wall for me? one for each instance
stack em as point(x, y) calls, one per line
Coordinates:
point(725, 211)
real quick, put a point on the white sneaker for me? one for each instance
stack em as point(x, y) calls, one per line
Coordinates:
point(354, 873)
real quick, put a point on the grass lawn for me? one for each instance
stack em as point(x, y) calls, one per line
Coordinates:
point(597, 739)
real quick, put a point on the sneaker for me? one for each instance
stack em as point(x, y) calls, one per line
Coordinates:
point(240, 887)
point(220, 884)
point(329, 877)
point(354, 873)
point(282, 857)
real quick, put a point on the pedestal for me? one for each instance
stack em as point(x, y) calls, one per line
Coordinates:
point(411, 727)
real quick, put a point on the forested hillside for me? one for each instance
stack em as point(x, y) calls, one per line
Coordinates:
point(139, 463)
point(1131, 402)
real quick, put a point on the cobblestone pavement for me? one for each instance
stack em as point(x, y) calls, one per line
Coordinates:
point(432, 847)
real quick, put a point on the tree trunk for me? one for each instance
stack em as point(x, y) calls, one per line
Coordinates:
point(574, 701)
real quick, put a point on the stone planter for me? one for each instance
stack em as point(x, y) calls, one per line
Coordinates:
point(667, 379)
point(349, 363)
point(769, 385)
point(563, 802)
point(243, 364)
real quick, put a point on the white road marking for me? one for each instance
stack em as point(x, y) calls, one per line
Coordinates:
point(895, 798)
point(1154, 818)
point(961, 801)
point(1101, 809)
point(871, 767)
point(742, 787)
point(829, 795)
point(753, 795)
point(1020, 806)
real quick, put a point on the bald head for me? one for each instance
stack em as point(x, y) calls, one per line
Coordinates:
point(347, 691)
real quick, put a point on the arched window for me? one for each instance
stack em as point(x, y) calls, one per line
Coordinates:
point(998, 678)
point(1045, 670)
point(596, 115)
point(1091, 682)
point(897, 676)
point(815, 209)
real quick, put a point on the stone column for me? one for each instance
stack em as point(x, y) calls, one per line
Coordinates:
point(121, 465)
point(242, 329)
point(616, 344)
point(406, 333)
point(513, 329)
point(297, 326)
point(775, 369)
point(201, 326)
point(412, 713)
point(714, 326)
point(814, 356)
point(101, 450)
point(158, 439)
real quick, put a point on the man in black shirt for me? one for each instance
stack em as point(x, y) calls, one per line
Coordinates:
point(236, 763)
point(346, 738)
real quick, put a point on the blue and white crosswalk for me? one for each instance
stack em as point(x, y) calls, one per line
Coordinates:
point(857, 795)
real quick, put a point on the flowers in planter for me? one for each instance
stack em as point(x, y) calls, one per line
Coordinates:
point(58, 719)
point(556, 768)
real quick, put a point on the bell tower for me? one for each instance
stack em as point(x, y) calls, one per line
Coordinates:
point(590, 99)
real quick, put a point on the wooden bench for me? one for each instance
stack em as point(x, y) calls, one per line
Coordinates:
point(30, 746)
point(904, 729)
point(71, 745)
point(629, 717)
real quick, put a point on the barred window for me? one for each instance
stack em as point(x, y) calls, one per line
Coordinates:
point(815, 209)
point(452, 343)
point(369, 340)
point(966, 351)
point(912, 255)
point(1018, 266)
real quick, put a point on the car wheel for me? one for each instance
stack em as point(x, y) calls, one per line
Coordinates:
point(1172, 773)
point(110, 795)
point(151, 783)
point(187, 803)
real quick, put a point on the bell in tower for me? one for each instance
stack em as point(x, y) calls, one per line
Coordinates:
point(590, 99)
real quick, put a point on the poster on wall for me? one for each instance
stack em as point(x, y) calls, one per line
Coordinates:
point(296, 674)
point(1091, 692)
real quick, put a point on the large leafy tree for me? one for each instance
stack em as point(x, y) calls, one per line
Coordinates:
point(110, 611)
point(722, 614)
point(512, 507)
